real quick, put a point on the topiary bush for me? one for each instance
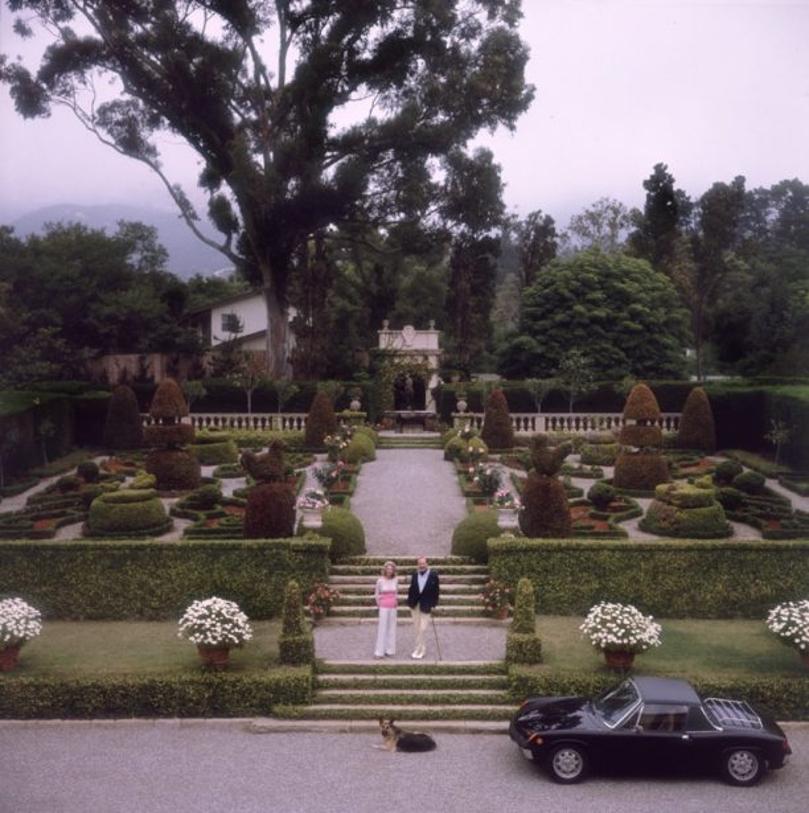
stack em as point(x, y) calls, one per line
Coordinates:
point(471, 533)
point(364, 429)
point(175, 469)
point(473, 450)
point(600, 452)
point(69, 483)
point(359, 450)
point(697, 427)
point(601, 494)
point(296, 643)
point(270, 512)
point(203, 498)
point(686, 511)
point(725, 472)
point(345, 531)
point(641, 405)
point(168, 403)
point(454, 448)
point(320, 421)
point(123, 428)
point(497, 431)
point(547, 459)
point(126, 513)
point(169, 435)
point(523, 645)
point(641, 436)
point(524, 619)
point(641, 471)
point(640, 466)
point(216, 454)
point(545, 513)
point(751, 482)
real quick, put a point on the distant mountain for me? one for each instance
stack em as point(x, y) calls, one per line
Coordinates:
point(187, 254)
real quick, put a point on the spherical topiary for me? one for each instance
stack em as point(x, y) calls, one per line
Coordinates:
point(470, 535)
point(89, 471)
point(168, 404)
point(320, 421)
point(601, 494)
point(124, 427)
point(359, 450)
point(725, 472)
point(454, 448)
point(175, 469)
point(270, 512)
point(370, 432)
point(215, 454)
point(697, 428)
point(127, 512)
point(497, 432)
point(345, 531)
point(640, 471)
point(641, 436)
point(751, 482)
point(545, 512)
point(641, 405)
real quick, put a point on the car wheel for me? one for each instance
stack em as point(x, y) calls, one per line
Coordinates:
point(568, 764)
point(742, 767)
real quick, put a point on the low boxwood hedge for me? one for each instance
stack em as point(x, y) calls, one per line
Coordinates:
point(147, 579)
point(668, 578)
point(785, 698)
point(205, 695)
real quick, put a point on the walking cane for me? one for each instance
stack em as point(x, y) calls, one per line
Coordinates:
point(435, 632)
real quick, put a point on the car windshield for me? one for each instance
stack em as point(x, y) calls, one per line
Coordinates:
point(613, 705)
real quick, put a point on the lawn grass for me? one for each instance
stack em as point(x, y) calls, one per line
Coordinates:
point(73, 649)
point(690, 647)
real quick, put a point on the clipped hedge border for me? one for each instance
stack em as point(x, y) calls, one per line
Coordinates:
point(205, 695)
point(785, 698)
point(154, 580)
point(668, 578)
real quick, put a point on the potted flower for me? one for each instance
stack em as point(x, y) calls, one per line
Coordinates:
point(790, 622)
point(497, 598)
point(334, 446)
point(19, 622)
point(487, 479)
point(620, 631)
point(311, 506)
point(508, 507)
point(215, 625)
point(320, 600)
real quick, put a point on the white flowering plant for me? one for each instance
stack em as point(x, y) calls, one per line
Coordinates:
point(215, 622)
point(505, 499)
point(313, 500)
point(613, 627)
point(19, 622)
point(790, 622)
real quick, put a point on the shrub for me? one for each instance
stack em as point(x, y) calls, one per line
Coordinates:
point(599, 454)
point(665, 519)
point(320, 421)
point(215, 454)
point(697, 429)
point(359, 450)
point(454, 448)
point(345, 531)
point(524, 607)
point(474, 450)
point(601, 494)
point(270, 512)
point(69, 483)
point(641, 405)
point(447, 436)
point(296, 643)
point(730, 498)
point(89, 471)
point(168, 404)
point(547, 459)
point(640, 471)
point(641, 436)
point(364, 429)
point(470, 535)
point(685, 495)
point(497, 432)
point(751, 482)
point(215, 622)
point(168, 435)
point(175, 469)
point(123, 428)
point(127, 513)
point(725, 472)
point(143, 480)
point(612, 627)
point(545, 512)
point(19, 622)
point(203, 498)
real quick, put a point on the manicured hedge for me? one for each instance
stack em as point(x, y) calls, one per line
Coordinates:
point(204, 695)
point(785, 698)
point(89, 579)
point(668, 578)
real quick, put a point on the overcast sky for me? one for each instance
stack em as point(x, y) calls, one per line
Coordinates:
point(713, 88)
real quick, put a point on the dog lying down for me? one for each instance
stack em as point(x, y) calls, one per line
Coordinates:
point(396, 739)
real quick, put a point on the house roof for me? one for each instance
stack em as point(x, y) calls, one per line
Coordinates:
point(227, 301)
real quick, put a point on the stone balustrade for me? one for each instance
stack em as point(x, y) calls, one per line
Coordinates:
point(530, 423)
point(262, 421)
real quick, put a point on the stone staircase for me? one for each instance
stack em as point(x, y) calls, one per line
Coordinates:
point(461, 584)
point(410, 440)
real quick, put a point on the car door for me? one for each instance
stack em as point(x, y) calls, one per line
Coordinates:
point(663, 744)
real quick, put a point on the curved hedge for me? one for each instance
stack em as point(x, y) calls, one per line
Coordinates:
point(345, 531)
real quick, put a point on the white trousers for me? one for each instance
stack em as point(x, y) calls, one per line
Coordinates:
point(386, 632)
point(420, 621)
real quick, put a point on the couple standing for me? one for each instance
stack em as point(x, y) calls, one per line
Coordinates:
point(422, 596)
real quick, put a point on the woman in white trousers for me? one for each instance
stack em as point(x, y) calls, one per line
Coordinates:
point(386, 595)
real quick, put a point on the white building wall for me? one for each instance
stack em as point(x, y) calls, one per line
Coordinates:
point(251, 311)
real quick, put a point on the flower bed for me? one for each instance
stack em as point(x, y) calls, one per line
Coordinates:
point(588, 522)
point(587, 472)
point(33, 524)
point(771, 513)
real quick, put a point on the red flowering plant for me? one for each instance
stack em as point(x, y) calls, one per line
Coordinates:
point(320, 600)
point(497, 596)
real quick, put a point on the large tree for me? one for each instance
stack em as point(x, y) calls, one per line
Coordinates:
point(261, 91)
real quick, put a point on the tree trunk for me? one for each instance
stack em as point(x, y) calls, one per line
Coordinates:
point(277, 340)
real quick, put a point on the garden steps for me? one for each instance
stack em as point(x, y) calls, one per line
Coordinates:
point(339, 610)
point(349, 711)
point(343, 580)
point(374, 570)
point(425, 697)
point(373, 666)
point(409, 681)
point(362, 586)
point(362, 596)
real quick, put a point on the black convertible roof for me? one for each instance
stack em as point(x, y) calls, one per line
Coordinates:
point(666, 690)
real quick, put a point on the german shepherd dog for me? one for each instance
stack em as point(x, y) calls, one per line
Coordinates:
point(398, 740)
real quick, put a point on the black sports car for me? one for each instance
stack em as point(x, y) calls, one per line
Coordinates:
point(648, 722)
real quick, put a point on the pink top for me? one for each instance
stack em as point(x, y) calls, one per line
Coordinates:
point(386, 593)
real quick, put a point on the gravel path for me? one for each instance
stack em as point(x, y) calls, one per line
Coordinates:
point(409, 502)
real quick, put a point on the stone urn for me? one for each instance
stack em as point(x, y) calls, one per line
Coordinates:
point(461, 405)
point(619, 658)
point(312, 518)
point(9, 656)
point(355, 405)
point(507, 518)
point(216, 658)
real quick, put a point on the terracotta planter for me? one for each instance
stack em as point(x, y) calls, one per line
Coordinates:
point(9, 655)
point(501, 614)
point(214, 657)
point(620, 659)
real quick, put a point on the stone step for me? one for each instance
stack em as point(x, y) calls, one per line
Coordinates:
point(375, 570)
point(370, 579)
point(357, 597)
point(367, 586)
point(365, 611)
point(355, 680)
point(423, 697)
point(342, 711)
point(405, 561)
point(376, 667)
point(445, 619)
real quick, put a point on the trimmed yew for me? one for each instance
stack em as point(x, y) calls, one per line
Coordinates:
point(320, 421)
point(123, 428)
point(697, 426)
point(497, 432)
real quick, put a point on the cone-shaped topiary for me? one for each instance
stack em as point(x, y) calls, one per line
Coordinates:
point(522, 643)
point(168, 404)
point(174, 468)
point(497, 432)
point(641, 405)
point(697, 427)
point(270, 512)
point(320, 421)
point(295, 644)
point(544, 512)
point(640, 466)
point(123, 428)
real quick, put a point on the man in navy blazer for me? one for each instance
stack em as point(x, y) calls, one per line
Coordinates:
point(421, 598)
